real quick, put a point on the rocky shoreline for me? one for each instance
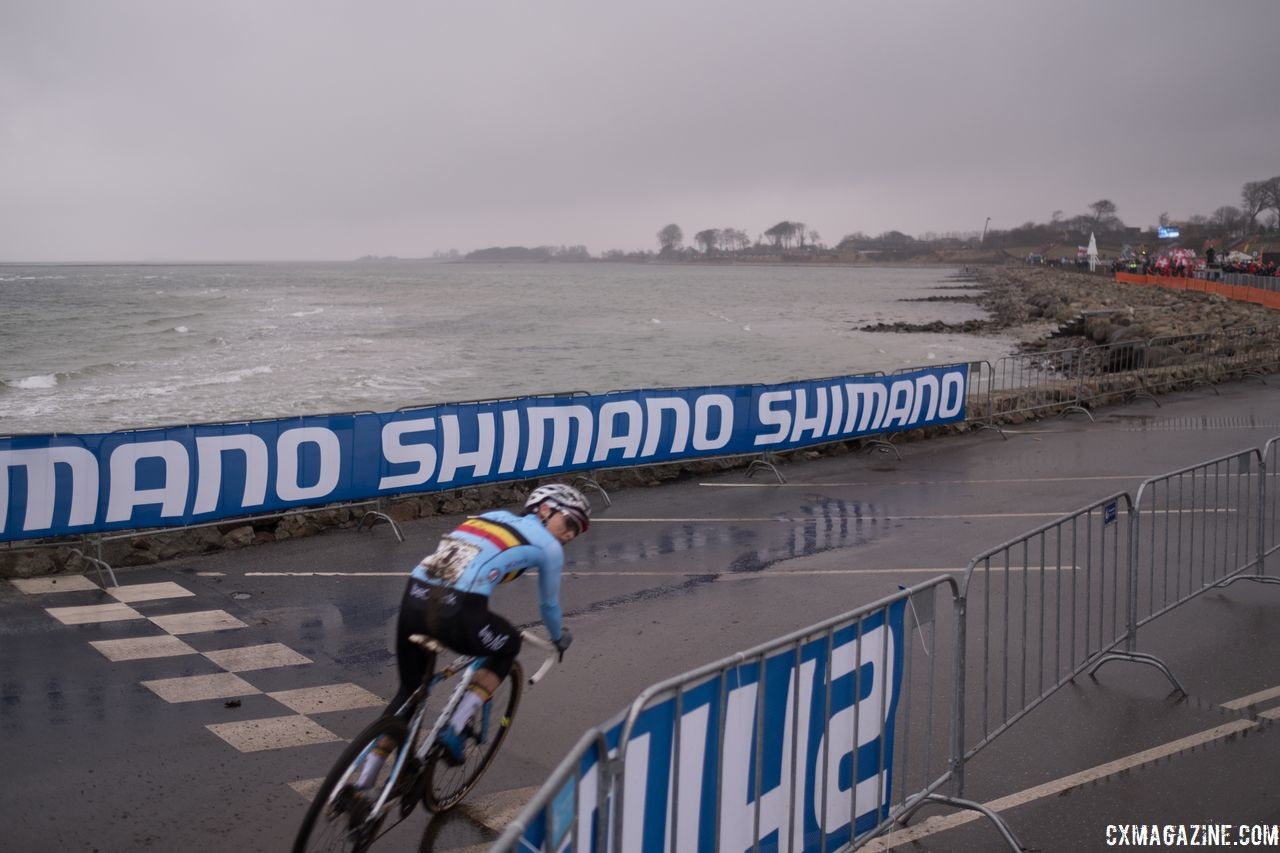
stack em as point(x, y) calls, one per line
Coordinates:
point(1081, 309)
point(1047, 309)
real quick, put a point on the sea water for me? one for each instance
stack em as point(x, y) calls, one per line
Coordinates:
point(101, 348)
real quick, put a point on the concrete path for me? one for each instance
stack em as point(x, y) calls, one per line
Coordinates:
point(196, 705)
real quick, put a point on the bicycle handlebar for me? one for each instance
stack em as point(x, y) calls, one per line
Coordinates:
point(545, 645)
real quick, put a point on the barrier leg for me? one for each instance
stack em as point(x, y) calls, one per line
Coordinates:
point(764, 464)
point(954, 802)
point(373, 516)
point(884, 445)
point(586, 481)
point(98, 564)
point(1139, 657)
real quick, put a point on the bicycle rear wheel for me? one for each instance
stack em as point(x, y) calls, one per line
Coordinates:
point(447, 785)
point(338, 818)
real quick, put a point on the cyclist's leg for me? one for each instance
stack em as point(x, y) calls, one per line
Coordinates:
point(413, 663)
point(483, 633)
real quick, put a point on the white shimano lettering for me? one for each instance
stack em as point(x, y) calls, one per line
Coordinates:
point(171, 494)
point(41, 484)
point(288, 447)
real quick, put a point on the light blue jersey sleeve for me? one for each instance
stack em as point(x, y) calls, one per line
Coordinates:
point(549, 591)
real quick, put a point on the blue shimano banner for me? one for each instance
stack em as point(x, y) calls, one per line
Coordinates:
point(838, 779)
point(60, 485)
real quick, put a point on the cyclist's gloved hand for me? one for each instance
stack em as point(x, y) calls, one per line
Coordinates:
point(562, 644)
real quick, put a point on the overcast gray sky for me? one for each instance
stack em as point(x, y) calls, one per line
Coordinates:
point(307, 129)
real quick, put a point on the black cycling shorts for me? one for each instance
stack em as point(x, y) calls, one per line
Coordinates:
point(460, 620)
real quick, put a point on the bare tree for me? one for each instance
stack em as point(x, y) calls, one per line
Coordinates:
point(1253, 198)
point(1104, 212)
point(1230, 219)
point(781, 234)
point(709, 239)
point(1271, 195)
point(814, 237)
point(670, 238)
point(798, 231)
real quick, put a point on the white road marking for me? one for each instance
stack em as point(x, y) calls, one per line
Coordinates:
point(804, 518)
point(195, 688)
point(326, 575)
point(66, 583)
point(866, 518)
point(93, 613)
point(210, 574)
point(148, 592)
point(330, 697)
point(141, 648)
point(272, 733)
point(1252, 699)
point(724, 575)
point(1138, 477)
point(194, 623)
point(249, 658)
point(941, 823)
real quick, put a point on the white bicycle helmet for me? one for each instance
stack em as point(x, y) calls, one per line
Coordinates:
point(564, 499)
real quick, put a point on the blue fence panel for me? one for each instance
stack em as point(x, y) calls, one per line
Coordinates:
point(733, 779)
point(60, 485)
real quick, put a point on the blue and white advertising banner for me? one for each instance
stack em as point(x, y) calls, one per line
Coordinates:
point(828, 760)
point(59, 485)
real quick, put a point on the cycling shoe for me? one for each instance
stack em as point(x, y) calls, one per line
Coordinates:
point(454, 746)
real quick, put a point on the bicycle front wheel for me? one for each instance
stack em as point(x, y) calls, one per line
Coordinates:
point(446, 785)
point(339, 818)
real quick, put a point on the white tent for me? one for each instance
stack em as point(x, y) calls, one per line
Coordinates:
point(1093, 253)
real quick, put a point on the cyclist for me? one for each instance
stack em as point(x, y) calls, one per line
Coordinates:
point(447, 598)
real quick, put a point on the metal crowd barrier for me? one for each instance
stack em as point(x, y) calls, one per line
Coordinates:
point(1027, 618)
point(1248, 352)
point(1111, 372)
point(1270, 502)
point(822, 739)
point(1063, 381)
point(1034, 383)
point(1037, 611)
point(1262, 282)
point(1172, 360)
point(1196, 528)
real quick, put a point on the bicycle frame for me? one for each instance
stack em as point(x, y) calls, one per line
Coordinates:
point(418, 701)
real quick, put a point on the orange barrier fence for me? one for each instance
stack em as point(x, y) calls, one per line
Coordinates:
point(1237, 292)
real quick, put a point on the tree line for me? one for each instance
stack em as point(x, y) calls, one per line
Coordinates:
point(784, 235)
point(1258, 214)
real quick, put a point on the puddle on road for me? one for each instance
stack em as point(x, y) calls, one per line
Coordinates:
point(817, 526)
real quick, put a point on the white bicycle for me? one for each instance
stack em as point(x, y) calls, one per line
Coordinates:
point(339, 818)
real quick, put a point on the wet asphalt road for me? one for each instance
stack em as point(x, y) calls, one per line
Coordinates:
point(669, 578)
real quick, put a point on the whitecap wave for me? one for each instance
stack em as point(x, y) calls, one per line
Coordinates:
point(33, 383)
point(182, 330)
point(306, 313)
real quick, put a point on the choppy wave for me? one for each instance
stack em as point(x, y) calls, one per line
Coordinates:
point(33, 383)
point(442, 333)
point(171, 320)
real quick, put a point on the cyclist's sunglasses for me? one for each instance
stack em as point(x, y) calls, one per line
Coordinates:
point(572, 522)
